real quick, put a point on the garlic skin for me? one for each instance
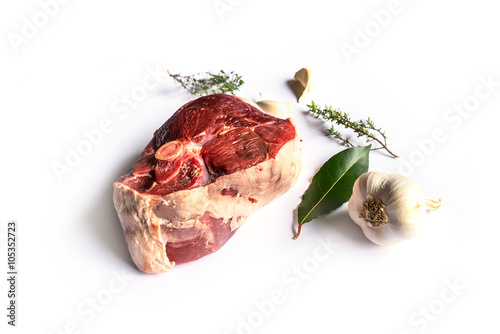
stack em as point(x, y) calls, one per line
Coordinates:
point(389, 208)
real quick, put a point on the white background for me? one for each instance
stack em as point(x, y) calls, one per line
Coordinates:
point(69, 74)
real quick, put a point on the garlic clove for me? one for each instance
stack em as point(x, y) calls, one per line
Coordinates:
point(303, 76)
point(253, 104)
point(275, 108)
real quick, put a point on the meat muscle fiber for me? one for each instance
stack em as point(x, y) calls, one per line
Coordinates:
point(213, 163)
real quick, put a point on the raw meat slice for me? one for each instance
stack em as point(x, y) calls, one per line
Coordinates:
point(213, 163)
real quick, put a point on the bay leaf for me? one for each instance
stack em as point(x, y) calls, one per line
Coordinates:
point(332, 185)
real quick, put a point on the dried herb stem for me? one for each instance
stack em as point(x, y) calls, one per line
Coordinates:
point(361, 127)
point(206, 83)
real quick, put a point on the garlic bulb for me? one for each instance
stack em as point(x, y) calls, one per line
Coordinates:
point(389, 208)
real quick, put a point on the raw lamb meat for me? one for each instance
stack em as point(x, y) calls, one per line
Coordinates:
point(212, 164)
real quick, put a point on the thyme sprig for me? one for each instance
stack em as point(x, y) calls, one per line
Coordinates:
point(361, 127)
point(206, 83)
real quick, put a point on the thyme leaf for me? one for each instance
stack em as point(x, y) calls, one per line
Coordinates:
point(206, 83)
point(362, 128)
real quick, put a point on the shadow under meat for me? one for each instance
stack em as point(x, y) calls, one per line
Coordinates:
point(103, 218)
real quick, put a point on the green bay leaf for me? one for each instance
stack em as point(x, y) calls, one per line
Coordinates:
point(332, 185)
